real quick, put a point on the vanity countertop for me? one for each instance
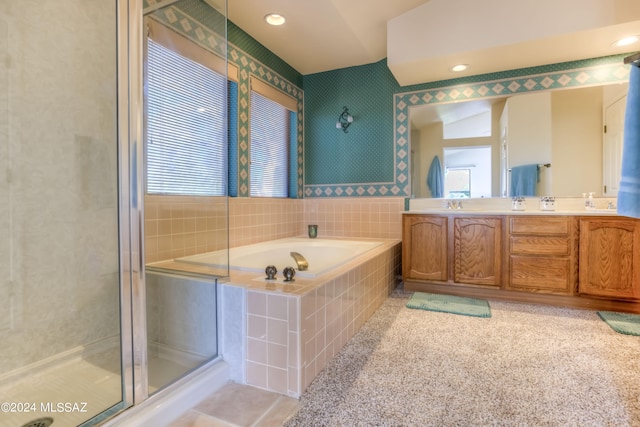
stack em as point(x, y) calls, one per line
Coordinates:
point(605, 206)
point(576, 212)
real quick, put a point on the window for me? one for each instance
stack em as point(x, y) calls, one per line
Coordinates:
point(270, 144)
point(269, 170)
point(458, 183)
point(186, 113)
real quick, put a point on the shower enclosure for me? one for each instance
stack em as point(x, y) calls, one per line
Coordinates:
point(75, 301)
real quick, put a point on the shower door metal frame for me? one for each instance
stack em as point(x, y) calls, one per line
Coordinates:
point(130, 159)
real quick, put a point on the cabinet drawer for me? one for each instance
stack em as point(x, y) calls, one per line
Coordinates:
point(540, 274)
point(540, 245)
point(546, 225)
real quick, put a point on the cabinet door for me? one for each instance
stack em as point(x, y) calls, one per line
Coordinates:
point(477, 250)
point(609, 258)
point(541, 274)
point(424, 247)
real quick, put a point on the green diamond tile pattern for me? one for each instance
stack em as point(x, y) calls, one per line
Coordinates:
point(610, 70)
point(373, 158)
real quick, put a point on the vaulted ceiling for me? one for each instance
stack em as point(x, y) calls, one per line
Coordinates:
point(422, 39)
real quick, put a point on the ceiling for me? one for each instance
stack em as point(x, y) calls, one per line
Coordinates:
point(324, 35)
point(321, 35)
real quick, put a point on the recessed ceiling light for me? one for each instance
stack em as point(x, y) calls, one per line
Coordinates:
point(626, 41)
point(459, 67)
point(274, 19)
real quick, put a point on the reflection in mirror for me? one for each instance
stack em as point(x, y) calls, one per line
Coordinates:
point(562, 132)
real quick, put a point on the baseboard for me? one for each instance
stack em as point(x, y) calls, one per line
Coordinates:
point(577, 301)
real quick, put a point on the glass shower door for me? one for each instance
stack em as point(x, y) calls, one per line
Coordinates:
point(60, 358)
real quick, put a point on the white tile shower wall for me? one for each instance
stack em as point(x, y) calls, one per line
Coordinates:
point(58, 216)
point(290, 338)
point(183, 315)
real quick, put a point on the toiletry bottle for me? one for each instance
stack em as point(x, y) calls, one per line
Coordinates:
point(592, 203)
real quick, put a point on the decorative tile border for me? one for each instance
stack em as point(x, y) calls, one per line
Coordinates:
point(615, 72)
point(247, 66)
point(576, 74)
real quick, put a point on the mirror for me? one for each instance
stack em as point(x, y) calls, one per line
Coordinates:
point(558, 133)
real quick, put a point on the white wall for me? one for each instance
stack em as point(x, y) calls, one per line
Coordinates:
point(577, 141)
point(529, 134)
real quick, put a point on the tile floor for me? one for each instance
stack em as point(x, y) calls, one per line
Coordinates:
point(237, 405)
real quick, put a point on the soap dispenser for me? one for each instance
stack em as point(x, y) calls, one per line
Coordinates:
point(591, 204)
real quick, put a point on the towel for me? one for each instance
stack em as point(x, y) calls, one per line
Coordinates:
point(434, 178)
point(524, 180)
point(629, 191)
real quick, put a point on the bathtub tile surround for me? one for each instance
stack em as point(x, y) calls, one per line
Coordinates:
point(290, 334)
point(177, 226)
point(256, 219)
point(371, 217)
point(278, 336)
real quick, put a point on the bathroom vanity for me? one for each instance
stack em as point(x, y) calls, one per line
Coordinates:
point(579, 259)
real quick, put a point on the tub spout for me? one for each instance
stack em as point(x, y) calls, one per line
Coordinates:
point(300, 260)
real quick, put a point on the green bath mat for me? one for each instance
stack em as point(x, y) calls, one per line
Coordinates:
point(623, 323)
point(450, 304)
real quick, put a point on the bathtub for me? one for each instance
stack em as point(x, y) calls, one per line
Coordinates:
point(322, 255)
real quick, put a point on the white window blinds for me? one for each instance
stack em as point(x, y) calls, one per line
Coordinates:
point(186, 144)
point(269, 170)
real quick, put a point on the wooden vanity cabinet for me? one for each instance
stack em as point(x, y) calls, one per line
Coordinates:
point(590, 262)
point(610, 257)
point(477, 250)
point(424, 247)
point(542, 254)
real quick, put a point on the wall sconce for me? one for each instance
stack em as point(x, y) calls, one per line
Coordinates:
point(344, 120)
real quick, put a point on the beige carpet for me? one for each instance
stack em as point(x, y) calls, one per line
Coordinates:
point(528, 365)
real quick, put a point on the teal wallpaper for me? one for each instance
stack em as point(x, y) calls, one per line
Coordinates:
point(363, 156)
point(372, 159)
point(324, 177)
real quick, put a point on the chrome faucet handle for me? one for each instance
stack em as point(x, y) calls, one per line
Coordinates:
point(288, 273)
point(271, 272)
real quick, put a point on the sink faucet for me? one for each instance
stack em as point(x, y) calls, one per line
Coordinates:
point(454, 204)
point(300, 260)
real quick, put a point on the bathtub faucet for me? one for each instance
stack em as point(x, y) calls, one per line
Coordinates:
point(300, 260)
